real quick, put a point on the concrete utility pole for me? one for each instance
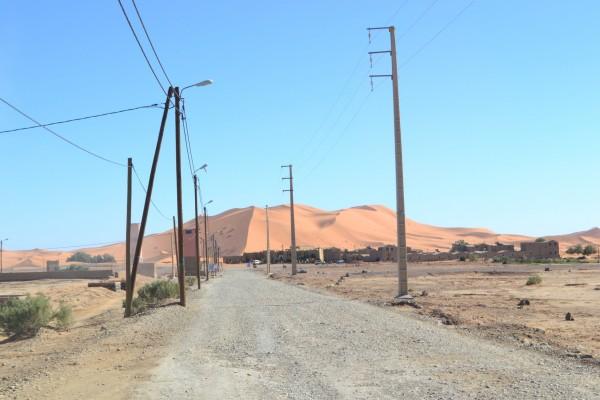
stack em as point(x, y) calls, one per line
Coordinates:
point(1, 250)
point(268, 246)
point(128, 228)
point(176, 251)
point(292, 223)
point(206, 240)
point(180, 264)
point(400, 210)
point(197, 235)
point(171, 240)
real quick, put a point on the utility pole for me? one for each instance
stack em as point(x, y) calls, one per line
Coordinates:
point(180, 264)
point(400, 210)
point(268, 245)
point(171, 240)
point(292, 223)
point(1, 250)
point(197, 235)
point(213, 249)
point(128, 229)
point(140, 241)
point(176, 251)
point(206, 242)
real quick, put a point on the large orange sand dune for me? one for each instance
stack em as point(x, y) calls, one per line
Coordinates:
point(243, 230)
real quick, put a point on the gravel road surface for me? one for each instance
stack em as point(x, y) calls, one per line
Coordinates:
point(254, 338)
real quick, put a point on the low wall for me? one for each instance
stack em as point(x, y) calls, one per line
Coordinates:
point(34, 276)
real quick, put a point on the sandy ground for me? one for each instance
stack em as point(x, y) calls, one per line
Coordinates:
point(255, 338)
point(246, 336)
point(101, 357)
point(483, 299)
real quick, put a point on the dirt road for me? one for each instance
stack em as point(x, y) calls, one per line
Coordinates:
point(255, 338)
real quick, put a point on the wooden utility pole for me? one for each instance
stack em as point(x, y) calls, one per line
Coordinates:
point(180, 264)
point(128, 230)
point(197, 234)
point(206, 241)
point(400, 210)
point(268, 245)
point(292, 223)
point(140, 241)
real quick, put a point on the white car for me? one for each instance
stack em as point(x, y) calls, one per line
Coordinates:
point(256, 262)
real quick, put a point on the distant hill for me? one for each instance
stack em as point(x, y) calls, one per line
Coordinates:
point(242, 230)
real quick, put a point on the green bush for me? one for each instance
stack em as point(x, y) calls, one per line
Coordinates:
point(76, 268)
point(63, 316)
point(81, 256)
point(156, 291)
point(534, 280)
point(25, 317)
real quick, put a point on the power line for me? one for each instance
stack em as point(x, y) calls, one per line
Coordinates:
point(335, 103)
point(150, 41)
point(141, 48)
point(82, 245)
point(146, 191)
point(438, 33)
point(417, 20)
point(188, 143)
point(80, 118)
point(337, 120)
point(62, 137)
point(339, 137)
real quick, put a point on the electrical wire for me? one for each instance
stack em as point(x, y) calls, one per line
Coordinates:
point(62, 137)
point(146, 191)
point(141, 48)
point(150, 41)
point(437, 34)
point(417, 20)
point(188, 143)
point(335, 103)
point(79, 246)
point(81, 118)
point(337, 120)
point(341, 134)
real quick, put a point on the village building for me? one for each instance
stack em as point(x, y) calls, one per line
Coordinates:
point(540, 250)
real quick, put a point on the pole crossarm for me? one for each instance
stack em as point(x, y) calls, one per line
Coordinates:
point(380, 52)
point(379, 27)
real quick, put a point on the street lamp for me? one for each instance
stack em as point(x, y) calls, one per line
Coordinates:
point(1, 248)
point(205, 82)
point(204, 166)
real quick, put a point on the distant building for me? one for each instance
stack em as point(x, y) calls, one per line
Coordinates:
point(540, 250)
point(499, 247)
point(52, 265)
point(388, 252)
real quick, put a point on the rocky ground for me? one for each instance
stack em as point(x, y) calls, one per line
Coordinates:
point(100, 358)
point(482, 299)
point(247, 336)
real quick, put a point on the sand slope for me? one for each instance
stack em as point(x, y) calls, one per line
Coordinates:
point(242, 230)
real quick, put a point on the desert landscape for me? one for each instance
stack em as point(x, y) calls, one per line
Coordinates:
point(491, 301)
point(243, 230)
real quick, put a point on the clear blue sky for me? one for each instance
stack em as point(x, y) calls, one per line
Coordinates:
point(499, 111)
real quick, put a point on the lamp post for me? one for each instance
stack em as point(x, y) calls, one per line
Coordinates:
point(206, 238)
point(1, 249)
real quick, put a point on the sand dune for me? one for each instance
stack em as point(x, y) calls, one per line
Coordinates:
point(242, 230)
